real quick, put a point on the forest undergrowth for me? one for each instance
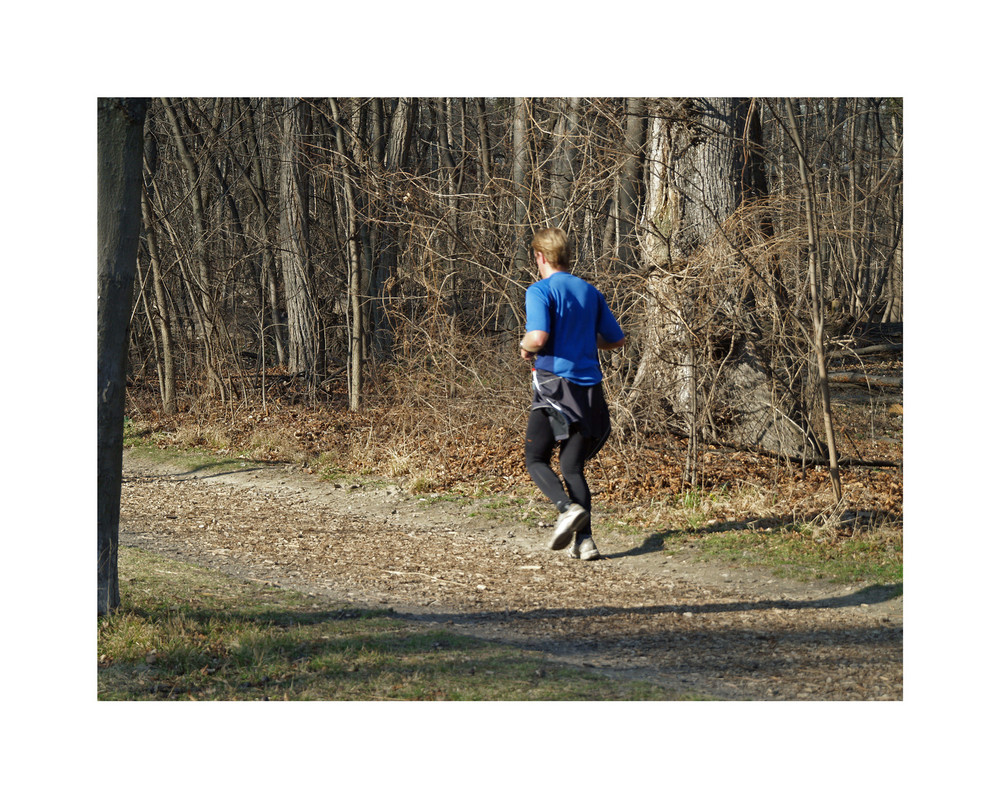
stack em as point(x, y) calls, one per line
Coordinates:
point(471, 443)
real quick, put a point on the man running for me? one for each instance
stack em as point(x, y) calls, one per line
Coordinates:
point(568, 320)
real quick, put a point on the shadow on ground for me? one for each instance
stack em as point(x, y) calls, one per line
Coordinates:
point(854, 520)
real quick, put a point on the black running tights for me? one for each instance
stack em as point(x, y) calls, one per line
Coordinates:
point(539, 444)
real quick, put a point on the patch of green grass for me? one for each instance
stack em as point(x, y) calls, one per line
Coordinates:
point(501, 503)
point(794, 551)
point(503, 513)
point(507, 508)
point(697, 497)
point(738, 523)
point(698, 505)
point(185, 632)
point(446, 498)
point(140, 433)
point(190, 458)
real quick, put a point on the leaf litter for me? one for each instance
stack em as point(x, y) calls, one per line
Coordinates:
point(480, 567)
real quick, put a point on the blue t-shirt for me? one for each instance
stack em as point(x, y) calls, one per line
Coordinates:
point(572, 312)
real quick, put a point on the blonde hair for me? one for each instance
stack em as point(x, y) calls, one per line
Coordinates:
point(553, 244)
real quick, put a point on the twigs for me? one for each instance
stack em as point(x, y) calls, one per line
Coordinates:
point(416, 228)
point(815, 291)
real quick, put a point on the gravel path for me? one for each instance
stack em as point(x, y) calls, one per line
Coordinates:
point(723, 632)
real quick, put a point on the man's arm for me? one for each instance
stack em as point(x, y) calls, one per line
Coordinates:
point(533, 342)
point(606, 345)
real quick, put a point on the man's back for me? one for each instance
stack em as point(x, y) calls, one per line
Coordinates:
point(573, 313)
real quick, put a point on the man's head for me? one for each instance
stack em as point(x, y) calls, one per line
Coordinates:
point(552, 244)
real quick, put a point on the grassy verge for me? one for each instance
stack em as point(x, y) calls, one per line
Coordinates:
point(741, 527)
point(793, 552)
point(188, 633)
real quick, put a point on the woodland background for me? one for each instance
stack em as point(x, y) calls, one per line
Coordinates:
point(351, 271)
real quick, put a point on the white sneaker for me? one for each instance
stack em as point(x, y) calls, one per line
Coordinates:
point(584, 549)
point(567, 525)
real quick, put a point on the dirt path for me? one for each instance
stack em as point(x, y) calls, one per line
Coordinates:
point(724, 632)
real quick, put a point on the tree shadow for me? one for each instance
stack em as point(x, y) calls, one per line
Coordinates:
point(220, 469)
point(265, 661)
point(876, 594)
point(654, 542)
point(265, 648)
point(335, 653)
point(855, 520)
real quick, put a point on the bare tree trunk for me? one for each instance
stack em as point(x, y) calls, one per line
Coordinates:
point(162, 319)
point(394, 157)
point(700, 174)
point(199, 282)
point(294, 224)
point(563, 161)
point(450, 179)
point(629, 181)
point(894, 300)
point(254, 178)
point(119, 173)
point(815, 292)
point(354, 281)
point(400, 132)
point(485, 157)
point(519, 178)
point(161, 322)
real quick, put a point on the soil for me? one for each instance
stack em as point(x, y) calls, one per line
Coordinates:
point(715, 630)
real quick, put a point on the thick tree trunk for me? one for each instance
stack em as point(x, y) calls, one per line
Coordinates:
point(700, 358)
point(394, 157)
point(294, 224)
point(119, 185)
point(629, 180)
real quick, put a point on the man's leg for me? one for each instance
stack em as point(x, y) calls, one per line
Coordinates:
point(572, 456)
point(538, 445)
point(572, 459)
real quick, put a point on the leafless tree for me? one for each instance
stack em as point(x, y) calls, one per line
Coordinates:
point(392, 235)
point(119, 186)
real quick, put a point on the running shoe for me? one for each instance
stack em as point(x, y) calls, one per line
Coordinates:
point(584, 549)
point(567, 525)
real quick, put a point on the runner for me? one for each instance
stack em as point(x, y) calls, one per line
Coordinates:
point(568, 321)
